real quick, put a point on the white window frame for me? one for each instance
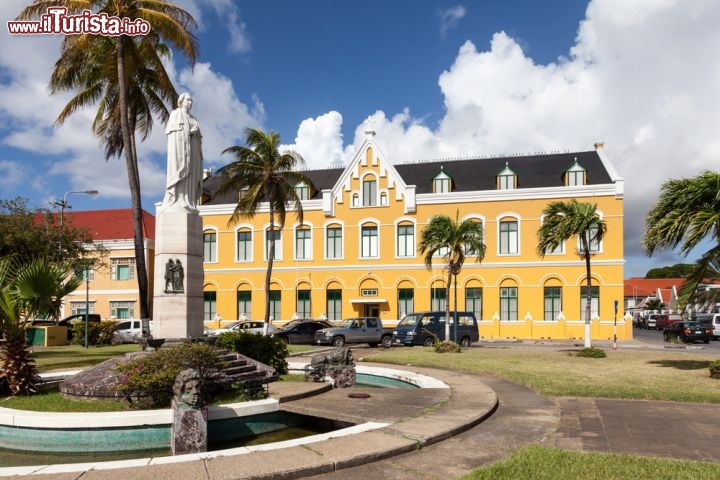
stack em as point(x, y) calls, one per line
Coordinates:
point(508, 218)
point(375, 244)
point(214, 250)
point(442, 183)
point(400, 252)
point(278, 244)
point(244, 229)
point(307, 242)
point(302, 190)
point(122, 261)
point(369, 199)
point(341, 227)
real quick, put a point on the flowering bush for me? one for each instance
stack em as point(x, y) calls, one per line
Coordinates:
point(147, 380)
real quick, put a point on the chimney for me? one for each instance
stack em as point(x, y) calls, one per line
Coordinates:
point(599, 145)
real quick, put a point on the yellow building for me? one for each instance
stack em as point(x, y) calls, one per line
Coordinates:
point(356, 252)
point(111, 288)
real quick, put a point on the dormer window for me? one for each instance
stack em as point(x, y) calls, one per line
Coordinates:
point(575, 175)
point(442, 183)
point(507, 179)
point(303, 191)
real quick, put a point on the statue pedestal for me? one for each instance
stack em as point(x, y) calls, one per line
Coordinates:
point(178, 236)
point(342, 377)
point(188, 433)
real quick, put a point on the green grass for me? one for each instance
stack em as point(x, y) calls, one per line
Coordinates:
point(55, 402)
point(74, 357)
point(538, 463)
point(632, 374)
point(304, 348)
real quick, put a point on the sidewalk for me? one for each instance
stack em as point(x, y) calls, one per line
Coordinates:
point(669, 429)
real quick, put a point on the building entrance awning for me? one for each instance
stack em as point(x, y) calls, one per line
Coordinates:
point(368, 300)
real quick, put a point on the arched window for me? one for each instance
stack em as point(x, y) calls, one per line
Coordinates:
point(209, 246)
point(405, 240)
point(369, 192)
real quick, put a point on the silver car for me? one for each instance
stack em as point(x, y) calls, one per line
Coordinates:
point(247, 326)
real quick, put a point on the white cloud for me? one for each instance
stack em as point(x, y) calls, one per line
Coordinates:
point(46, 154)
point(450, 17)
point(638, 78)
point(319, 141)
point(229, 16)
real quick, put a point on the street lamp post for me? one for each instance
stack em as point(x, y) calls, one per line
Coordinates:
point(87, 304)
point(63, 204)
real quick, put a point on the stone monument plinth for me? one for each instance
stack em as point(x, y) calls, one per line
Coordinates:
point(178, 302)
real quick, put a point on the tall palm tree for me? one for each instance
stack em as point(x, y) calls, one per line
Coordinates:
point(123, 74)
point(564, 220)
point(686, 213)
point(33, 289)
point(261, 175)
point(455, 241)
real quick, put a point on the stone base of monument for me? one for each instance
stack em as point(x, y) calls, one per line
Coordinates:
point(341, 377)
point(188, 433)
point(178, 305)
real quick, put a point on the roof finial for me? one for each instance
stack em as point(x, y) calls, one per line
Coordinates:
point(370, 132)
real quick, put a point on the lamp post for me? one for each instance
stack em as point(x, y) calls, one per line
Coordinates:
point(63, 204)
point(87, 304)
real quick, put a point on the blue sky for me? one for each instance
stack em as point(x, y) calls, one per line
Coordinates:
point(435, 79)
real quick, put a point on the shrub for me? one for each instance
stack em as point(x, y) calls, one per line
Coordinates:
point(147, 380)
point(99, 334)
point(714, 367)
point(271, 351)
point(591, 352)
point(447, 347)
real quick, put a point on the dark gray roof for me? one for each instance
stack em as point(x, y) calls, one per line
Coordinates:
point(533, 171)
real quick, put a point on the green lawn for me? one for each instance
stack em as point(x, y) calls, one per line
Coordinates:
point(538, 463)
point(76, 357)
point(629, 373)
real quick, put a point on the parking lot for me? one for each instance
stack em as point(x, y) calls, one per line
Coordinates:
point(655, 337)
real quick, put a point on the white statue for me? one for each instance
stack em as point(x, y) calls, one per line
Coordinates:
point(184, 157)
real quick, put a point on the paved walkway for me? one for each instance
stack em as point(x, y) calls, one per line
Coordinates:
point(669, 429)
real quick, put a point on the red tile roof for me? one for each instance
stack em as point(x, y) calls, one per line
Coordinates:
point(110, 224)
point(644, 287)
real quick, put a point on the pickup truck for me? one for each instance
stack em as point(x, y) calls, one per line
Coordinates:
point(356, 330)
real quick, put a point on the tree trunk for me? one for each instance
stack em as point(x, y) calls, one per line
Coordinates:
point(134, 182)
point(455, 323)
point(271, 257)
point(447, 302)
point(588, 294)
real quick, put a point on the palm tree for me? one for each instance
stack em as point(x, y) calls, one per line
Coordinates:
point(124, 74)
point(563, 220)
point(454, 241)
point(34, 289)
point(686, 213)
point(261, 174)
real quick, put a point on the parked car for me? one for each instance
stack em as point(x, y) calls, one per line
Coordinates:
point(247, 326)
point(424, 327)
point(301, 330)
point(663, 320)
point(356, 330)
point(126, 331)
point(687, 332)
point(710, 319)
